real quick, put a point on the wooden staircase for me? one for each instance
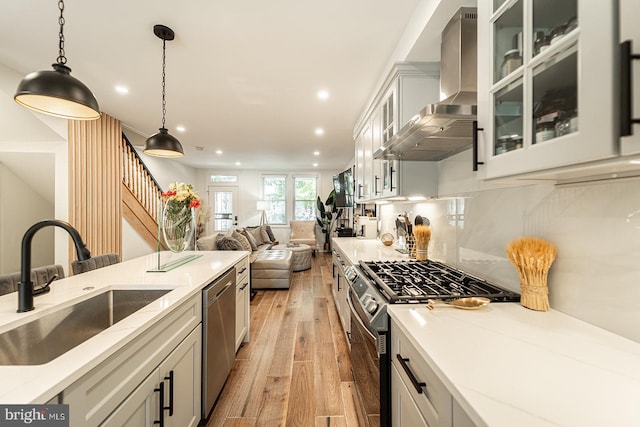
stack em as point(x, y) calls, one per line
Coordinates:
point(141, 195)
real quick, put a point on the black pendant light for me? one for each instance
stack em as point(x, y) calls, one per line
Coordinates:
point(162, 144)
point(56, 92)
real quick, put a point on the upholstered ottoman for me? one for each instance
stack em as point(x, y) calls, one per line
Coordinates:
point(300, 255)
point(271, 270)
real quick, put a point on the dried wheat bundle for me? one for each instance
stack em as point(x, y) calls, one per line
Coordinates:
point(422, 235)
point(532, 258)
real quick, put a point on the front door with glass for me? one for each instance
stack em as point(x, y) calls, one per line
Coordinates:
point(224, 207)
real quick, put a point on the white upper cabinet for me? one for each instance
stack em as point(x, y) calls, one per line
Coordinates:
point(630, 31)
point(547, 84)
point(406, 90)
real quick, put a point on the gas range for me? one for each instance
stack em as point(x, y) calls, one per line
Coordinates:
point(420, 281)
point(375, 284)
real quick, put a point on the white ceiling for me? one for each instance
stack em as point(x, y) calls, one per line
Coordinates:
point(242, 76)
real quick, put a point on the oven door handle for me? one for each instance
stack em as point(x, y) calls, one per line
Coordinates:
point(419, 385)
point(354, 314)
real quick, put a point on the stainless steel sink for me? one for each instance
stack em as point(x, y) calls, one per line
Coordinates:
point(46, 338)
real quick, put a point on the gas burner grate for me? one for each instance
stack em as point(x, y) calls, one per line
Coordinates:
point(414, 281)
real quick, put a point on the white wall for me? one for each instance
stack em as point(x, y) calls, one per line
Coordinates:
point(595, 227)
point(133, 245)
point(20, 208)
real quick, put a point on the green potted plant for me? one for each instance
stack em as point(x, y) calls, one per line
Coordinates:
point(328, 213)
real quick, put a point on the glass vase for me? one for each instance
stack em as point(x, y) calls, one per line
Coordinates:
point(178, 226)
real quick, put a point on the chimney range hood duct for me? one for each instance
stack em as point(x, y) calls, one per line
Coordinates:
point(443, 129)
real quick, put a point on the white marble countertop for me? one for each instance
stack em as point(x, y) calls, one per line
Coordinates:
point(39, 383)
point(510, 366)
point(357, 249)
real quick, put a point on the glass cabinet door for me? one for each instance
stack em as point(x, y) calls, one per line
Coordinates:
point(551, 83)
point(508, 42)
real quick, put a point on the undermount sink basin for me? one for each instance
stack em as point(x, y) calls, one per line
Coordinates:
point(46, 338)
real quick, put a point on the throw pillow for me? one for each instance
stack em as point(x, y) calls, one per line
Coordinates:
point(257, 234)
point(252, 241)
point(243, 241)
point(228, 244)
point(272, 238)
point(264, 234)
point(207, 243)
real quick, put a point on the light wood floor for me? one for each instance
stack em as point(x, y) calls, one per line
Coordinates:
point(296, 369)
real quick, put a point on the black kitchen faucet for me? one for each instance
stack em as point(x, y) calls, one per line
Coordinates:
point(25, 287)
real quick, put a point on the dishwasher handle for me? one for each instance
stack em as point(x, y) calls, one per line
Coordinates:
point(212, 300)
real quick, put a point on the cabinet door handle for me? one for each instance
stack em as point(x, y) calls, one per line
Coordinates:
point(359, 191)
point(475, 146)
point(160, 390)
point(391, 171)
point(170, 407)
point(242, 270)
point(626, 89)
point(244, 286)
point(417, 384)
point(375, 184)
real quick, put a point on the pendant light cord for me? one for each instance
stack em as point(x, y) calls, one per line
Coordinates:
point(62, 59)
point(164, 63)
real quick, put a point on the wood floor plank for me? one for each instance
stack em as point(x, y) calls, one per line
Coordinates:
point(285, 344)
point(301, 409)
point(231, 392)
point(304, 342)
point(273, 408)
point(327, 380)
point(322, 326)
point(353, 413)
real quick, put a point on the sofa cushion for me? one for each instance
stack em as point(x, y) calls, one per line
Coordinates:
point(225, 243)
point(257, 235)
point(264, 234)
point(243, 241)
point(272, 238)
point(252, 241)
point(207, 243)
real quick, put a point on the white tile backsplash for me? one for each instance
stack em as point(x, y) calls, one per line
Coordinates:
point(595, 227)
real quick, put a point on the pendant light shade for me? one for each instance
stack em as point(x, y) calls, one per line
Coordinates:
point(56, 92)
point(163, 144)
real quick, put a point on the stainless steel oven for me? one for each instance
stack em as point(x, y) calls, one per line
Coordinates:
point(370, 363)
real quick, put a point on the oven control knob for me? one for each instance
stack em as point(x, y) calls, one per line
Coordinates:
point(350, 274)
point(371, 306)
point(365, 300)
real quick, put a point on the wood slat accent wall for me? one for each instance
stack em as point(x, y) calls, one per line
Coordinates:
point(95, 179)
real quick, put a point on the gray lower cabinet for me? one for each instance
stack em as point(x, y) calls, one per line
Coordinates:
point(181, 406)
point(122, 389)
point(418, 396)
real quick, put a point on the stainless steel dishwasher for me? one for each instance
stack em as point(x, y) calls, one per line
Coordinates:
point(218, 336)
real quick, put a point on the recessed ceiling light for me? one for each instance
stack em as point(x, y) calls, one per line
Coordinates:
point(319, 131)
point(218, 152)
point(123, 90)
point(315, 165)
point(238, 163)
point(323, 95)
point(180, 128)
point(635, 162)
point(316, 153)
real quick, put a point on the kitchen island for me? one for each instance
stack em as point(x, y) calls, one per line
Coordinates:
point(506, 365)
point(43, 383)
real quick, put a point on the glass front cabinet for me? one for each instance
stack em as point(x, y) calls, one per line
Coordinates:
point(546, 86)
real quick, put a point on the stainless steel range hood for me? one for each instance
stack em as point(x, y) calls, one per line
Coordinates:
point(443, 129)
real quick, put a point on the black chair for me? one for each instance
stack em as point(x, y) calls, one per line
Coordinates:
point(94, 263)
point(40, 276)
